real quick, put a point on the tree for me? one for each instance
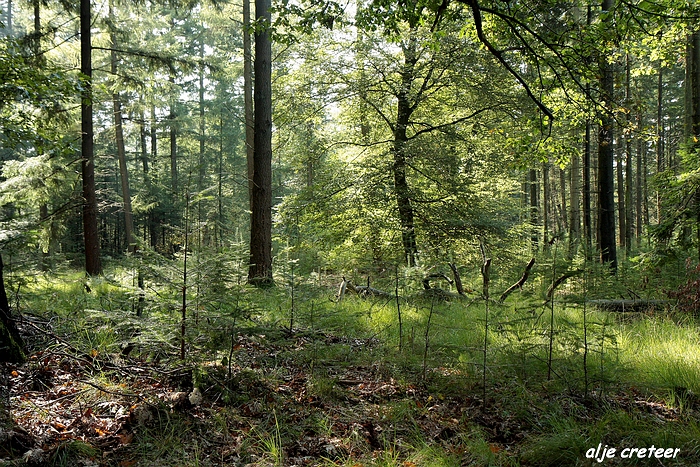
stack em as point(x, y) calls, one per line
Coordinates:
point(606, 184)
point(260, 270)
point(11, 342)
point(91, 238)
point(248, 101)
point(119, 140)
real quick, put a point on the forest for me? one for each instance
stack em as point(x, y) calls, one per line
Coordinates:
point(349, 233)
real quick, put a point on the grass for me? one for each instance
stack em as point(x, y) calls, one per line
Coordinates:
point(338, 391)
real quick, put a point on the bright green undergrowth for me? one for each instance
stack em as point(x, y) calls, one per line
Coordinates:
point(536, 357)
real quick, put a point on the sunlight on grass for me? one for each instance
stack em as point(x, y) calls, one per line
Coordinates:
point(662, 353)
point(335, 352)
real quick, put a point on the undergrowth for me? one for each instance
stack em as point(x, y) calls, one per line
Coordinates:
point(290, 376)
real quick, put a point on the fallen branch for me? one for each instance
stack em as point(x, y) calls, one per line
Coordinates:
point(366, 291)
point(457, 278)
point(363, 291)
point(435, 275)
point(109, 391)
point(560, 280)
point(519, 284)
point(628, 306)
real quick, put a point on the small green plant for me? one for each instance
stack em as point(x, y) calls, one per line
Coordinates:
point(271, 444)
point(73, 453)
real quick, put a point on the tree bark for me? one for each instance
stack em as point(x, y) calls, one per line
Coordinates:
point(534, 207)
point(638, 186)
point(8, 23)
point(629, 218)
point(173, 146)
point(574, 207)
point(564, 205)
point(248, 100)
point(154, 218)
point(402, 191)
point(546, 197)
point(121, 152)
point(457, 278)
point(660, 166)
point(11, 342)
point(260, 269)
point(606, 185)
point(91, 238)
point(693, 110)
point(587, 147)
point(621, 207)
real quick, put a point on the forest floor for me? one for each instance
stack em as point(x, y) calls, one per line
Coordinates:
point(276, 409)
point(271, 397)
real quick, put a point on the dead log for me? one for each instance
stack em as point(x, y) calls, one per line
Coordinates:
point(435, 275)
point(366, 291)
point(519, 284)
point(629, 306)
point(363, 291)
point(439, 294)
point(560, 280)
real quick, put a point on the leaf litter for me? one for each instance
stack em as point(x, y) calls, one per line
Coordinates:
point(272, 407)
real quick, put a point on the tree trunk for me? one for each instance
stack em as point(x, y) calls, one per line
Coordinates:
point(248, 101)
point(546, 196)
point(534, 207)
point(621, 211)
point(8, 23)
point(639, 185)
point(645, 182)
point(606, 184)
point(574, 208)
point(260, 269)
point(154, 226)
point(201, 163)
point(91, 238)
point(143, 140)
point(587, 221)
point(220, 183)
point(693, 110)
point(121, 152)
point(173, 147)
point(360, 56)
point(401, 188)
point(564, 205)
point(628, 167)
point(11, 342)
point(660, 137)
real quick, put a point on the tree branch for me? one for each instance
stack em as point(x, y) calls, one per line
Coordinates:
point(519, 284)
point(476, 12)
